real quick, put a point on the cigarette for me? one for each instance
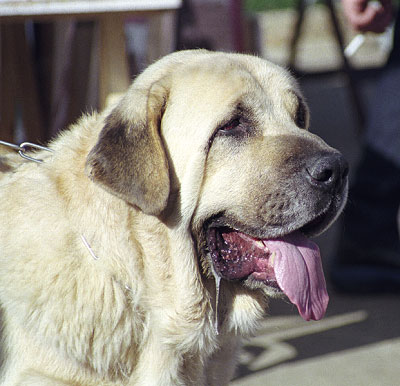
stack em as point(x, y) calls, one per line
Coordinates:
point(354, 45)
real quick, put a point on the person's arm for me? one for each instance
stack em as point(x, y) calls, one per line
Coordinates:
point(364, 15)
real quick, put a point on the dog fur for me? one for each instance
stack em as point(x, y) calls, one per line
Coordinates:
point(104, 278)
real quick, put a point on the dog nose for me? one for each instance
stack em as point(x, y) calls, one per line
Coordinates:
point(327, 171)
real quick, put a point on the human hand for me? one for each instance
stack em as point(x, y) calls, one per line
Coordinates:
point(365, 16)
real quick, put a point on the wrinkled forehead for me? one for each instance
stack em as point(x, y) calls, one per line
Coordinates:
point(213, 87)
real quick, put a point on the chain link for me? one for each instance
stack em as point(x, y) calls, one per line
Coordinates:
point(24, 147)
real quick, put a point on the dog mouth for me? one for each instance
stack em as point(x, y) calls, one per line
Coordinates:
point(289, 264)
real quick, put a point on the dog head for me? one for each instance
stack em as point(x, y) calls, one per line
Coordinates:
point(218, 144)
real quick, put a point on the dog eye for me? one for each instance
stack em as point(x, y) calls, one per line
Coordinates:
point(230, 126)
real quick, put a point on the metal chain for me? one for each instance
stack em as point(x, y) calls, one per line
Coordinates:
point(23, 147)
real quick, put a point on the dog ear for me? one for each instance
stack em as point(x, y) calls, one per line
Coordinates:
point(129, 158)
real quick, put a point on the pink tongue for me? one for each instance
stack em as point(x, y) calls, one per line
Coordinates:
point(298, 271)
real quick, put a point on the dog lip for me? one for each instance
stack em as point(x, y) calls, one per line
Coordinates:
point(315, 225)
point(237, 256)
point(319, 222)
point(312, 226)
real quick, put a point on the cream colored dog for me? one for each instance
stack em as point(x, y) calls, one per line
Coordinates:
point(148, 242)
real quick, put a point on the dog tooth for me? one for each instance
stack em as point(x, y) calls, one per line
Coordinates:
point(272, 258)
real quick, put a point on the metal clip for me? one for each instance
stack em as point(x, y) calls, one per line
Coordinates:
point(22, 148)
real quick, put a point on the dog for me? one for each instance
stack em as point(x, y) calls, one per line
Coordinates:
point(148, 242)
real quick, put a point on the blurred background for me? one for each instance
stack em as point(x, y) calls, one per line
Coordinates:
point(60, 59)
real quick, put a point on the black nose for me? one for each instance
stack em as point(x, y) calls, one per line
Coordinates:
point(327, 171)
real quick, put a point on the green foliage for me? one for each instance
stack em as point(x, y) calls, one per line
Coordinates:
point(265, 5)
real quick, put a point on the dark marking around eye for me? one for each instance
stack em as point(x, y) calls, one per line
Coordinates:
point(238, 127)
point(240, 124)
point(231, 125)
